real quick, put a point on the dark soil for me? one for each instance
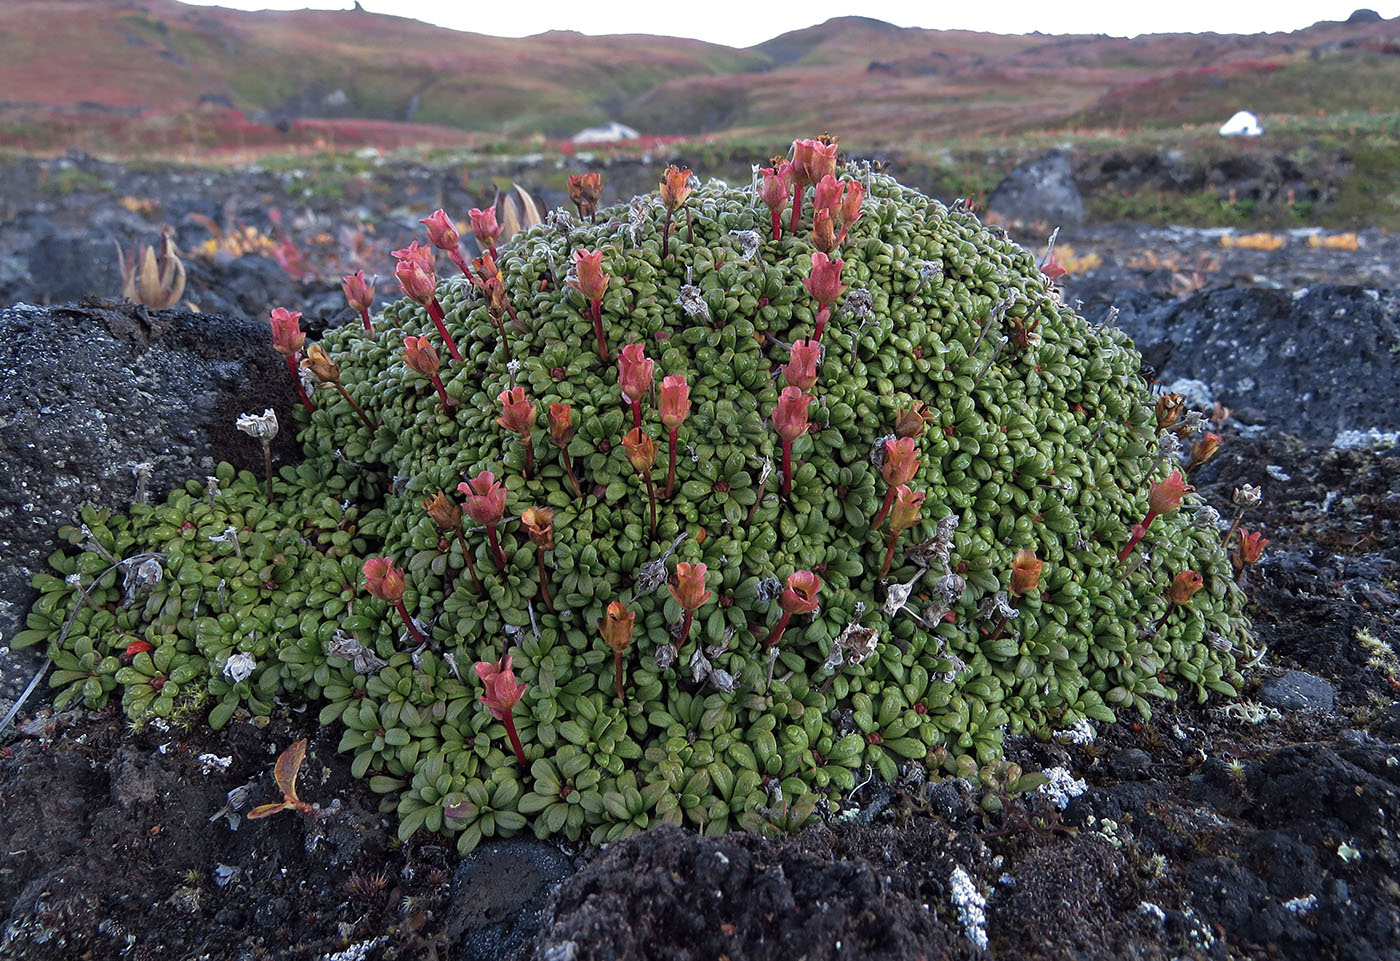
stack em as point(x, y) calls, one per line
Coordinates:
point(1212, 831)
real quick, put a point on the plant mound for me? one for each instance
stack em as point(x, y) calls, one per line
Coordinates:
point(1035, 431)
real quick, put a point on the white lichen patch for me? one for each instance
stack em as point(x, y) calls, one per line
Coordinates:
point(972, 907)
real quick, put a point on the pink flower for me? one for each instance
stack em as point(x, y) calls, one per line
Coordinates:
point(824, 282)
point(801, 369)
point(286, 331)
point(420, 254)
point(442, 231)
point(635, 372)
point(790, 416)
point(484, 226)
point(383, 579)
point(502, 689)
point(486, 498)
point(592, 282)
point(416, 283)
point(358, 293)
point(675, 400)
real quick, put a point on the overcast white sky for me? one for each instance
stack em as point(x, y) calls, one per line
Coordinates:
point(742, 23)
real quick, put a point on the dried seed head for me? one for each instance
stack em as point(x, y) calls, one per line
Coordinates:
point(261, 426)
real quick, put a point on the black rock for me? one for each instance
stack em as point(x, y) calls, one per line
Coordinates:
point(1296, 691)
point(1042, 190)
point(87, 392)
point(1305, 360)
point(498, 893)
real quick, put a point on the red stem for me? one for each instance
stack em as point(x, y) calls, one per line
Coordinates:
point(296, 382)
point(823, 315)
point(544, 583)
point(514, 739)
point(666, 237)
point(461, 263)
point(447, 402)
point(776, 634)
point(617, 664)
point(685, 630)
point(497, 555)
point(787, 468)
point(884, 509)
point(408, 622)
point(529, 456)
point(651, 497)
point(889, 553)
point(435, 312)
point(795, 224)
point(777, 224)
point(598, 328)
point(466, 555)
point(637, 413)
point(346, 394)
point(364, 315)
point(671, 471)
point(569, 469)
point(1000, 627)
point(1138, 531)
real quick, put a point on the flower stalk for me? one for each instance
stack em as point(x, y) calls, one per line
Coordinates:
point(675, 408)
point(799, 596)
point(502, 693)
point(420, 355)
point(539, 524)
point(486, 504)
point(519, 417)
point(386, 582)
point(689, 592)
point(593, 284)
point(287, 338)
point(561, 431)
point(790, 421)
point(264, 428)
point(417, 278)
point(616, 627)
point(448, 517)
point(641, 453)
point(359, 295)
point(900, 466)
point(904, 515)
point(326, 373)
point(1163, 497)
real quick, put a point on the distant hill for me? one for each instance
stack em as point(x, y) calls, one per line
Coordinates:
point(130, 72)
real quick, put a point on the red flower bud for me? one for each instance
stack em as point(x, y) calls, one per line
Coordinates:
point(561, 424)
point(689, 590)
point(901, 461)
point(486, 498)
point(811, 161)
point(616, 627)
point(420, 254)
point(383, 579)
point(1203, 450)
point(800, 594)
point(585, 190)
point(444, 513)
point(776, 191)
point(675, 187)
point(286, 331)
point(592, 282)
point(634, 372)
point(824, 281)
point(139, 647)
point(905, 513)
point(418, 284)
point(790, 416)
point(1165, 495)
point(828, 194)
point(850, 205)
point(1184, 586)
point(420, 354)
point(914, 420)
point(539, 524)
point(502, 689)
point(485, 227)
point(675, 400)
point(1250, 547)
point(358, 293)
point(641, 450)
point(1025, 572)
point(519, 413)
point(442, 231)
point(801, 369)
point(823, 231)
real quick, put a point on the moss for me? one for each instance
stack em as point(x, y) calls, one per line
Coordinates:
point(1047, 446)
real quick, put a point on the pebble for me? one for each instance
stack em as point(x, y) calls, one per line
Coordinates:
point(1297, 691)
